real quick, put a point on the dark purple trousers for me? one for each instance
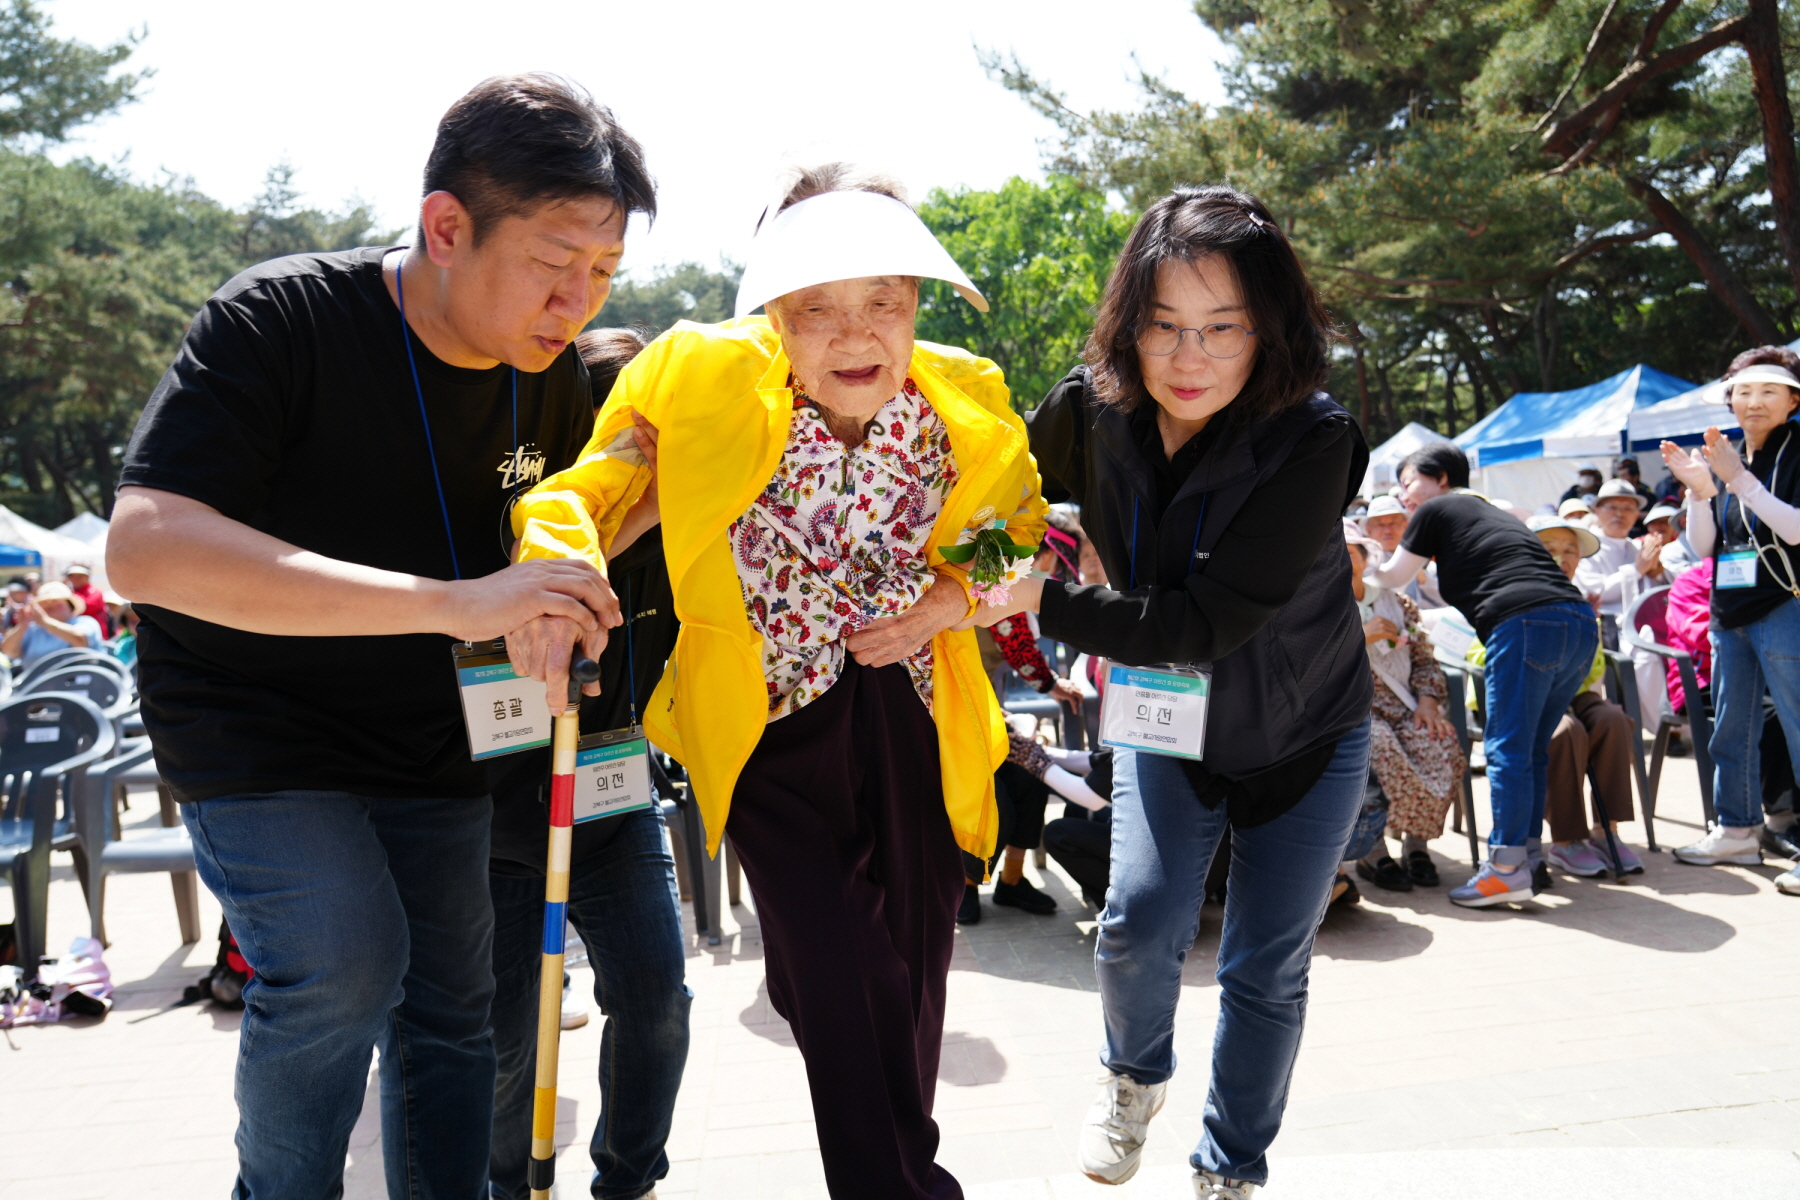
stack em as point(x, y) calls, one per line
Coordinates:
point(839, 821)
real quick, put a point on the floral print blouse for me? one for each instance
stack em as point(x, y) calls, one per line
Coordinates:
point(840, 537)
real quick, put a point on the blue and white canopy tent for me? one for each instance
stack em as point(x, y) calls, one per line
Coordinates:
point(1528, 450)
point(19, 556)
point(1683, 419)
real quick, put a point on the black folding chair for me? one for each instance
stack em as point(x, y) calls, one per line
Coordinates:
point(46, 745)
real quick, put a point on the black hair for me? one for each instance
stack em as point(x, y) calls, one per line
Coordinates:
point(1189, 224)
point(517, 142)
point(605, 352)
point(1440, 460)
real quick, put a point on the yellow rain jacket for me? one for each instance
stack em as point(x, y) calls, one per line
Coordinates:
point(718, 395)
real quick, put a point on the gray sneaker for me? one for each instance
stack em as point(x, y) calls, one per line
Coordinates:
point(1208, 1186)
point(1112, 1137)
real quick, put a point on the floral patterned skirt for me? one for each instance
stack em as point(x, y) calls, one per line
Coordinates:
point(1420, 771)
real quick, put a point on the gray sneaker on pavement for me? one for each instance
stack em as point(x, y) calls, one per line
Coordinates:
point(1208, 1186)
point(1112, 1137)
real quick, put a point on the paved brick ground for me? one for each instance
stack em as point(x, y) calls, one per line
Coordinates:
point(1605, 1041)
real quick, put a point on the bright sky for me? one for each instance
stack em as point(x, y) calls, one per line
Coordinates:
point(719, 93)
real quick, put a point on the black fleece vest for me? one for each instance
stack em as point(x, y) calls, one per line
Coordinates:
point(1302, 680)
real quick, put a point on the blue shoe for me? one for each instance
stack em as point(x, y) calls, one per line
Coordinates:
point(1490, 887)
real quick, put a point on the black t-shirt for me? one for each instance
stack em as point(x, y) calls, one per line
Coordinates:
point(520, 782)
point(1490, 566)
point(290, 408)
point(1777, 464)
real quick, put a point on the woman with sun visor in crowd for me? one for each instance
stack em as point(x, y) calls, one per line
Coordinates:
point(1750, 527)
point(834, 498)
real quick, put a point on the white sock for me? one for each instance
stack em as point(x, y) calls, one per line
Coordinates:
point(1740, 832)
point(1409, 843)
point(1073, 788)
point(1780, 822)
point(1076, 761)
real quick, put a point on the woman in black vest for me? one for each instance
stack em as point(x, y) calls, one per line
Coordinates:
point(1212, 475)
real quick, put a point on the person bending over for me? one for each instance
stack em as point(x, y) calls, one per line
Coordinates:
point(1540, 637)
point(311, 511)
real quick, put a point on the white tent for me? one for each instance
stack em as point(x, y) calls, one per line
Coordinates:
point(60, 551)
point(85, 528)
point(1385, 459)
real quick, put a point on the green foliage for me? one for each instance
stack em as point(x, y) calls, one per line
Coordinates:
point(1401, 143)
point(49, 86)
point(1040, 253)
point(99, 274)
point(688, 292)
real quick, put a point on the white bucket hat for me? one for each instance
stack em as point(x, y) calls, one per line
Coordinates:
point(1619, 489)
point(1590, 545)
point(844, 235)
point(1382, 506)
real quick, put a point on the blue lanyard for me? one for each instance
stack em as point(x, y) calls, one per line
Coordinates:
point(419, 391)
point(1199, 524)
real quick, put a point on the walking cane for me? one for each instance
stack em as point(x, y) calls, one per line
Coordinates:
point(541, 1172)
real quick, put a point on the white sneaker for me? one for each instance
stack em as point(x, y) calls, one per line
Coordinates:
point(1719, 847)
point(1112, 1137)
point(574, 1012)
point(1788, 882)
point(1208, 1186)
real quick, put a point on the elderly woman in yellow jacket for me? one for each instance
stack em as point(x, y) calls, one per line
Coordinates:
point(813, 468)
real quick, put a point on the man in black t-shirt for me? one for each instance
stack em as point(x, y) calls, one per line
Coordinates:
point(313, 507)
point(1540, 636)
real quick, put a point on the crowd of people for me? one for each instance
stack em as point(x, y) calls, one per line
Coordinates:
point(39, 618)
point(808, 551)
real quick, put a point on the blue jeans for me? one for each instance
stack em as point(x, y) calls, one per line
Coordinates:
point(1281, 875)
point(622, 902)
point(1536, 662)
point(1765, 653)
point(368, 924)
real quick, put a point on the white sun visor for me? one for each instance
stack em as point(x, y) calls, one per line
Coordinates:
point(1757, 373)
point(844, 235)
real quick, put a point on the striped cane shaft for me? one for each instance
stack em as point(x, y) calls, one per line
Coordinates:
point(541, 1172)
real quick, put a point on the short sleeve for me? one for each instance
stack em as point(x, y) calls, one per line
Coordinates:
point(1422, 532)
point(212, 430)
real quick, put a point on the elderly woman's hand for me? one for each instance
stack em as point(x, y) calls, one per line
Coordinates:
point(542, 649)
point(887, 640)
point(1380, 629)
point(1429, 716)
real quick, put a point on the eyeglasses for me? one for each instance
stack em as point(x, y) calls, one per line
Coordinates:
point(1220, 340)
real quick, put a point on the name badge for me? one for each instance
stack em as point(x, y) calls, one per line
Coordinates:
point(503, 710)
point(1736, 568)
point(612, 774)
point(1160, 709)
